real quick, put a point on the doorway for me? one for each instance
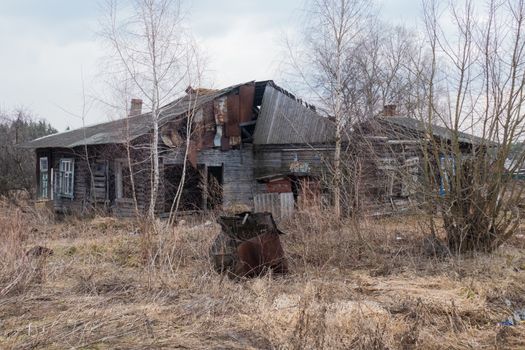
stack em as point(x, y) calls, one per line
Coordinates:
point(214, 187)
point(191, 197)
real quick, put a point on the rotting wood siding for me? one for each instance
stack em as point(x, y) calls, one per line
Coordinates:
point(386, 158)
point(238, 179)
point(83, 199)
point(241, 168)
point(303, 160)
point(216, 141)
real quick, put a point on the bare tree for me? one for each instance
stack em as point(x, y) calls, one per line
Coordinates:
point(83, 116)
point(330, 34)
point(156, 51)
point(353, 64)
point(475, 83)
point(17, 171)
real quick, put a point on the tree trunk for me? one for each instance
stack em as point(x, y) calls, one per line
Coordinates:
point(155, 164)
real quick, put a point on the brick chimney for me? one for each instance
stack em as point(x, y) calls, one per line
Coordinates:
point(389, 110)
point(136, 107)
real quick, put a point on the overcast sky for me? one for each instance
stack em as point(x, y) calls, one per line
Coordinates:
point(46, 44)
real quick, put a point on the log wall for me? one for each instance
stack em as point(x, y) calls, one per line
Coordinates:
point(238, 179)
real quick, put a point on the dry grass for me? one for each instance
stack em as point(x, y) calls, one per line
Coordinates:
point(109, 285)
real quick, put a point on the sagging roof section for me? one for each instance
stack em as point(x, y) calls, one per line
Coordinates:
point(438, 131)
point(285, 120)
point(125, 130)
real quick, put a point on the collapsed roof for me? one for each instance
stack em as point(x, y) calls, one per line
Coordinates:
point(127, 129)
point(282, 119)
point(285, 120)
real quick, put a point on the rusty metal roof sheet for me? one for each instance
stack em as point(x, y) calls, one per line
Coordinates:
point(285, 120)
point(124, 130)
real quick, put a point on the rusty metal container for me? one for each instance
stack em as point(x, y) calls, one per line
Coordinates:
point(235, 230)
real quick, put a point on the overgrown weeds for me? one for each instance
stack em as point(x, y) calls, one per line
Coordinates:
point(107, 286)
point(16, 271)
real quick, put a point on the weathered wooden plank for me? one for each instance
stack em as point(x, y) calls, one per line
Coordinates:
point(279, 204)
point(287, 204)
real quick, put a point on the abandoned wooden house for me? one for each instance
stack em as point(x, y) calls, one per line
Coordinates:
point(253, 145)
point(385, 158)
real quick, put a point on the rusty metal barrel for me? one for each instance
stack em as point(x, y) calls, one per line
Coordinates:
point(235, 230)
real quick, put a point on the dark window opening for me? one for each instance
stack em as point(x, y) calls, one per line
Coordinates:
point(247, 131)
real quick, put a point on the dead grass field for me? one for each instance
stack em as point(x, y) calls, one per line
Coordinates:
point(107, 286)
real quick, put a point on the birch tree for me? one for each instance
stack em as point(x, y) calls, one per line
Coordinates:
point(353, 64)
point(155, 50)
point(331, 31)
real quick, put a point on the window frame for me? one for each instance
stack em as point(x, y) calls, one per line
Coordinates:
point(43, 177)
point(66, 177)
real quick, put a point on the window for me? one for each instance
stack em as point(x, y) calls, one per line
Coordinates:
point(447, 166)
point(43, 183)
point(65, 177)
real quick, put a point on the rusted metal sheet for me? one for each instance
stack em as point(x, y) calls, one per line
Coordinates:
point(208, 127)
point(246, 96)
point(207, 139)
point(236, 249)
point(225, 144)
point(279, 186)
point(232, 125)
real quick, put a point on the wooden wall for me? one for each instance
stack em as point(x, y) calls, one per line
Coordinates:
point(238, 178)
point(82, 200)
point(285, 159)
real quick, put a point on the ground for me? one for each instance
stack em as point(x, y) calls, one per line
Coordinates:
point(109, 285)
